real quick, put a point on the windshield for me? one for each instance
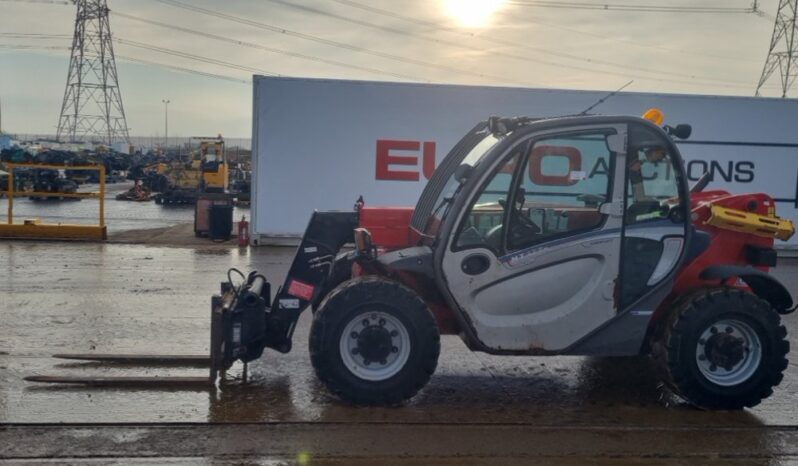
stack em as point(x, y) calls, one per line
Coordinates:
point(472, 159)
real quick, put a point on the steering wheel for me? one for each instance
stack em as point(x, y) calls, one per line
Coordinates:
point(521, 226)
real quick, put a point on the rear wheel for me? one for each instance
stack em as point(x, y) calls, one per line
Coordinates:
point(374, 341)
point(723, 349)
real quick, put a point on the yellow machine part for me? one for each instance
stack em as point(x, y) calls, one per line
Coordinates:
point(217, 179)
point(186, 177)
point(214, 180)
point(747, 222)
point(159, 168)
point(34, 229)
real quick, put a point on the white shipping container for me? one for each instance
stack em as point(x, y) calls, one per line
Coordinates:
point(319, 144)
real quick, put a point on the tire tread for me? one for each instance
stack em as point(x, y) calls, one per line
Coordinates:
point(352, 293)
point(677, 327)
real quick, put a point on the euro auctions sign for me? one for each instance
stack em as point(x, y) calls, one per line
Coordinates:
point(319, 144)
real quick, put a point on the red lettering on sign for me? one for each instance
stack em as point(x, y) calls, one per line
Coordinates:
point(536, 165)
point(386, 159)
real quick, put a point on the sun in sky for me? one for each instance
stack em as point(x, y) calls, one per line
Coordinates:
point(472, 13)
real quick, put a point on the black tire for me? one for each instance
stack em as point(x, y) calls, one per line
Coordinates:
point(373, 297)
point(689, 363)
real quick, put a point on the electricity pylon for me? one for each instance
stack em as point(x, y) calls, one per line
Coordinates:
point(783, 52)
point(92, 109)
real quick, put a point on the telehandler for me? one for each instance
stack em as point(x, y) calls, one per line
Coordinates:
point(566, 236)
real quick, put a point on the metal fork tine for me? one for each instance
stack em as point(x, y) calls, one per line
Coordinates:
point(145, 359)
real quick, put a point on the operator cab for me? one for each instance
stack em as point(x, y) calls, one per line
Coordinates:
point(555, 227)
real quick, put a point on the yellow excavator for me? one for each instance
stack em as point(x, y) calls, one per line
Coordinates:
point(207, 172)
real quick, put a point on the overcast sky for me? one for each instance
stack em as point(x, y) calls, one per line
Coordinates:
point(422, 40)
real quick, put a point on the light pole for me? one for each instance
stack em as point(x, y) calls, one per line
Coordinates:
point(166, 122)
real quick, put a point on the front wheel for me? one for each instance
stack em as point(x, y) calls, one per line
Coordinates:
point(723, 349)
point(374, 341)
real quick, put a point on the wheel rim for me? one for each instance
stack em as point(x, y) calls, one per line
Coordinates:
point(728, 352)
point(374, 346)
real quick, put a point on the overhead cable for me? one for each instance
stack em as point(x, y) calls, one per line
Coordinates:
point(190, 56)
point(502, 53)
point(265, 48)
point(51, 2)
point(630, 7)
point(341, 45)
point(185, 70)
point(131, 59)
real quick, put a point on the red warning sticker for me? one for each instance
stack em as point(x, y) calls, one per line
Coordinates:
point(301, 290)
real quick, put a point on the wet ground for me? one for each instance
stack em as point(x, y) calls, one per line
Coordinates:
point(119, 215)
point(478, 409)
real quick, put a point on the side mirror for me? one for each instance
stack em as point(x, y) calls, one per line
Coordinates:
point(681, 131)
point(462, 172)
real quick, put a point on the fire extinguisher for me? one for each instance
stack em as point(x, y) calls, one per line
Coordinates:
point(243, 232)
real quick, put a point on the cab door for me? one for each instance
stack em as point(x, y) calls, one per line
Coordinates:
point(534, 258)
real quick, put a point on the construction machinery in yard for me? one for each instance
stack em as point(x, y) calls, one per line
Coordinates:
point(213, 163)
point(51, 181)
point(207, 172)
point(566, 236)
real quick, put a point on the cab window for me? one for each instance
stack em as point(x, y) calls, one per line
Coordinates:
point(652, 195)
point(551, 188)
point(483, 224)
point(652, 186)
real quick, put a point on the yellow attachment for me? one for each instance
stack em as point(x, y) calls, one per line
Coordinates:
point(655, 116)
point(747, 222)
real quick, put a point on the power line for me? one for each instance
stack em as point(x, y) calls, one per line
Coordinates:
point(28, 35)
point(52, 2)
point(132, 59)
point(486, 38)
point(629, 7)
point(33, 47)
point(692, 78)
point(185, 70)
point(143, 46)
point(635, 43)
point(241, 43)
point(190, 56)
point(496, 53)
point(162, 65)
point(333, 43)
point(506, 43)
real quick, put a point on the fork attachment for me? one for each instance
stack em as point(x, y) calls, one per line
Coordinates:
point(238, 326)
point(238, 323)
